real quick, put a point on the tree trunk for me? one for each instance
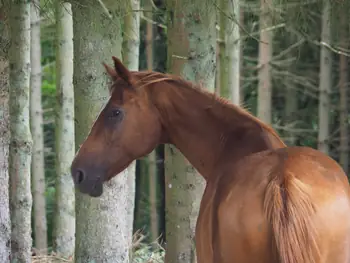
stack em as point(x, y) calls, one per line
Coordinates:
point(229, 13)
point(64, 226)
point(325, 82)
point(242, 44)
point(265, 53)
point(234, 49)
point(291, 98)
point(131, 46)
point(343, 92)
point(218, 67)
point(290, 110)
point(21, 141)
point(152, 157)
point(5, 229)
point(100, 222)
point(36, 125)
point(191, 54)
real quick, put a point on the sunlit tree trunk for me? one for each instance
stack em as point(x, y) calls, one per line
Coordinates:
point(325, 80)
point(191, 54)
point(64, 224)
point(5, 229)
point(100, 222)
point(343, 92)
point(229, 13)
point(21, 141)
point(265, 54)
point(131, 45)
point(36, 127)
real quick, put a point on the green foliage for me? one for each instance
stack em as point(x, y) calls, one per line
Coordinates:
point(48, 102)
point(146, 254)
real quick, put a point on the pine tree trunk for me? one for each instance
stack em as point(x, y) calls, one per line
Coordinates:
point(230, 52)
point(242, 44)
point(36, 125)
point(325, 81)
point(291, 99)
point(218, 67)
point(265, 53)
point(5, 229)
point(234, 49)
point(100, 222)
point(131, 41)
point(191, 53)
point(21, 141)
point(343, 92)
point(152, 157)
point(131, 45)
point(64, 226)
point(223, 54)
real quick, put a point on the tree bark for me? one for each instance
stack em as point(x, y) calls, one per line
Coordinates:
point(234, 49)
point(343, 92)
point(229, 13)
point(64, 226)
point(100, 222)
point(21, 141)
point(265, 53)
point(325, 81)
point(5, 225)
point(191, 54)
point(152, 157)
point(291, 109)
point(36, 127)
point(131, 46)
point(291, 98)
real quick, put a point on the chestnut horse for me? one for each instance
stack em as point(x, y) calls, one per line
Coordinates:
point(263, 203)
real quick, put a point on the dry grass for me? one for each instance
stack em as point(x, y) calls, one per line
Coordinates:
point(140, 251)
point(50, 259)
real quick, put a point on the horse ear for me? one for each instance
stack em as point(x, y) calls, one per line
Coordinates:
point(110, 71)
point(113, 75)
point(122, 71)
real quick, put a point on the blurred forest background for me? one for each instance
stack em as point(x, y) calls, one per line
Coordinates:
point(284, 61)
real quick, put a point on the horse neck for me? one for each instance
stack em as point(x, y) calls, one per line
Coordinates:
point(207, 130)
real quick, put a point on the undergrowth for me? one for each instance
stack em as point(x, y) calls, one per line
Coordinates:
point(140, 253)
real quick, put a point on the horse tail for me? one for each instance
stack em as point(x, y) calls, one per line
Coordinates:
point(289, 209)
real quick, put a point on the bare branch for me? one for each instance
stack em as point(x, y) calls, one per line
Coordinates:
point(151, 21)
point(105, 9)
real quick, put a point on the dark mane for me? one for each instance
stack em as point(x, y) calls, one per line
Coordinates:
point(223, 107)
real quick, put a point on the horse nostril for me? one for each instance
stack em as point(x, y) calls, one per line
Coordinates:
point(80, 176)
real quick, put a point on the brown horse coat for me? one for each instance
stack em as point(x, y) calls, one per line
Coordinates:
point(264, 202)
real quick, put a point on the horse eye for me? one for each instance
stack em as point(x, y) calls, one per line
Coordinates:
point(115, 112)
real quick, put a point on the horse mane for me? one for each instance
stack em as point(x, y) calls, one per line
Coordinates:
point(146, 78)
